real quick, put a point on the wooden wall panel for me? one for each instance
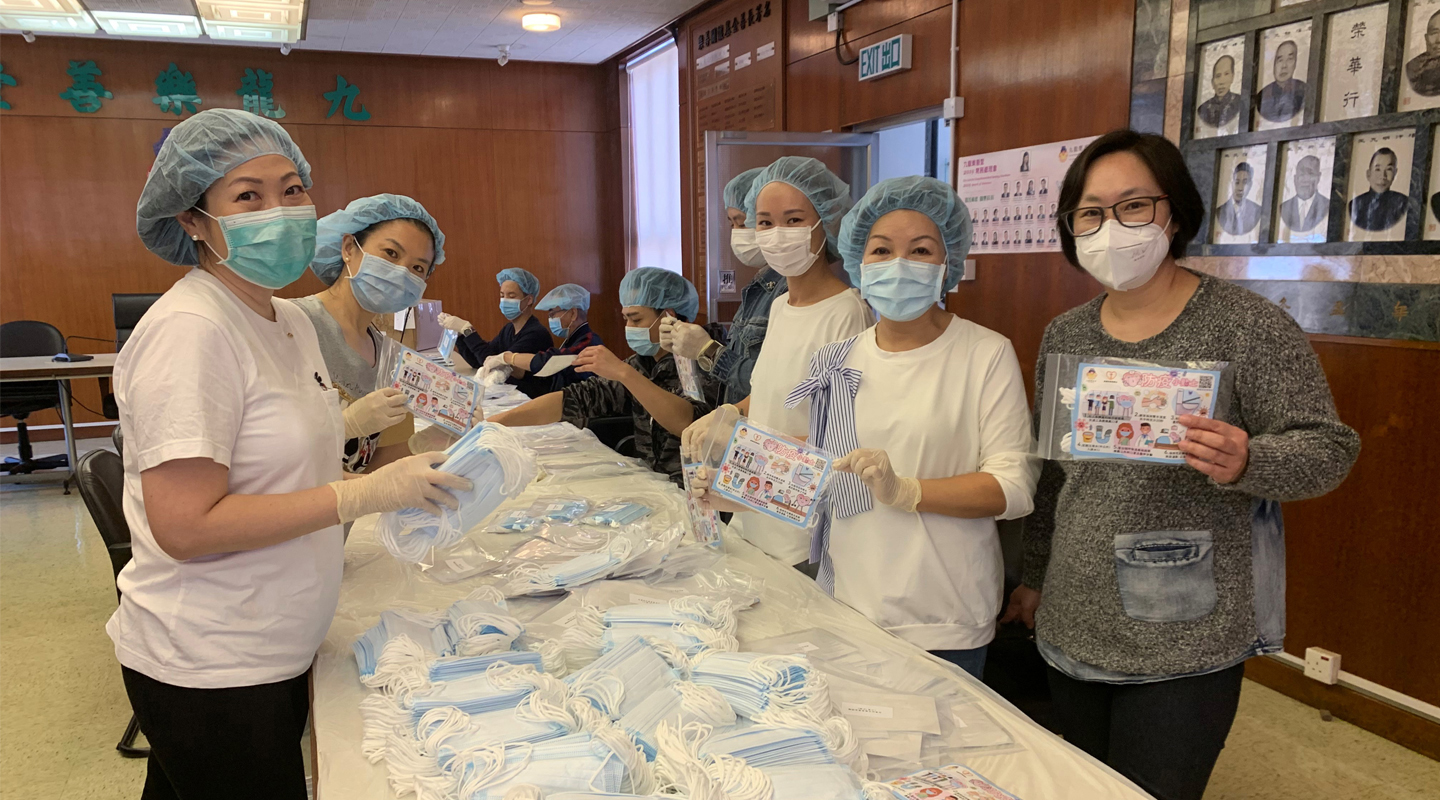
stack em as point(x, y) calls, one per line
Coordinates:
point(809, 38)
point(926, 84)
point(813, 102)
point(520, 166)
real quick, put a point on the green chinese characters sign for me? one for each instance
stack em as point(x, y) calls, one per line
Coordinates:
point(5, 80)
point(257, 93)
point(86, 91)
point(175, 92)
point(345, 93)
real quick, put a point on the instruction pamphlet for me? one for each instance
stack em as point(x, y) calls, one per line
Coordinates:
point(1130, 412)
point(689, 378)
point(704, 519)
point(955, 782)
point(772, 474)
point(435, 393)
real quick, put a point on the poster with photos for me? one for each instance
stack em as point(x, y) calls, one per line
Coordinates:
point(1284, 72)
point(1379, 186)
point(1432, 196)
point(1303, 214)
point(1354, 63)
point(1420, 82)
point(1239, 184)
point(1217, 92)
point(1013, 196)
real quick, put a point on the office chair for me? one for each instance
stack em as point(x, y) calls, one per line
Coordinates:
point(23, 398)
point(129, 308)
point(101, 478)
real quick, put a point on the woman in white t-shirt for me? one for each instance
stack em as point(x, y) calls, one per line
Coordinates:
point(797, 205)
point(935, 442)
point(233, 490)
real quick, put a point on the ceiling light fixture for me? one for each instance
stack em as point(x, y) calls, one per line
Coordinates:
point(540, 23)
point(127, 23)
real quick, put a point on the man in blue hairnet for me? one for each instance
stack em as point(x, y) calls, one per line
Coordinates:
point(522, 333)
point(567, 306)
point(646, 386)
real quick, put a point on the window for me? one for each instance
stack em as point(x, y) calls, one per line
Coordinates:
point(915, 148)
point(654, 94)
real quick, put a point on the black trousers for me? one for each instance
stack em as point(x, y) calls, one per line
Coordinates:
point(216, 744)
point(1164, 736)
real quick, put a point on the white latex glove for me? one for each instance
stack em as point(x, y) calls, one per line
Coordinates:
point(694, 437)
point(873, 467)
point(375, 412)
point(454, 323)
point(682, 338)
point(411, 482)
point(700, 490)
point(494, 362)
point(438, 437)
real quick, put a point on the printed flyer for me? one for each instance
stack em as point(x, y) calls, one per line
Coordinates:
point(702, 516)
point(954, 782)
point(1130, 412)
point(434, 393)
point(771, 474)
point(1014, 195)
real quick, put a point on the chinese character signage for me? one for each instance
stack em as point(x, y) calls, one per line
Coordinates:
point(1354, 63)
point(257, 94)
point(175, 92)
point(85, 92)
point(345, 94)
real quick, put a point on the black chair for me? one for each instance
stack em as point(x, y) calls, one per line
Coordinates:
point(616, 433)
point(101, 478)
point(129, 308)
point(23, 398)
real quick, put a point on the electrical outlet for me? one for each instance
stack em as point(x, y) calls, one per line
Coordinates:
point(1322, 665)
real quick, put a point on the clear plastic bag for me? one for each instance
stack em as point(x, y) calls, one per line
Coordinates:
point(560, 509)
point(1098, 407)
point(764, 470)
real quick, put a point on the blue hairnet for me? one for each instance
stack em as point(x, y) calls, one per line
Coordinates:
point(935, 199)
point(359, 215)
point(660, 289)
point(529, 284)
point(564, 297)
point(739, 188)
point(197, 153)
point(823, 188)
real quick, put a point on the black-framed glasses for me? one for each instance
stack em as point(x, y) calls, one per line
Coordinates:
point(1132, 212)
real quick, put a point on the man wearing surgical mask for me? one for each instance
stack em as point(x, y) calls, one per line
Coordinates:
point(522, 332)
point(731, 364)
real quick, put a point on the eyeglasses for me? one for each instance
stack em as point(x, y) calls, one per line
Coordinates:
point(1132, 212)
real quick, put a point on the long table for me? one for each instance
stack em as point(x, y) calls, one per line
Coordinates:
point(41, 368)
point(1037, 765)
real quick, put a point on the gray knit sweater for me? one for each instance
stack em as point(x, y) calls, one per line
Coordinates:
point(1087, 512)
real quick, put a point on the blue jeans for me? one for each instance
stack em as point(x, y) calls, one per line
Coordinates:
point(972, 661)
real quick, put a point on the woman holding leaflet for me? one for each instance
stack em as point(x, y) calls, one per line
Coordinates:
point(1160, 581)
point(233, 483)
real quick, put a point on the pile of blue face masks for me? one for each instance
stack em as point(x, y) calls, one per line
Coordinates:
point(679, 704)
point(560, 509)
point(763, 747)
point(616, 515)
point(501, 727)
point(619, 681)
point(475, 694)
point(518, 521)
point(498, 466)
point(481, 626)
point(430, 631)
point(754, 683)
point(574, 763)
point(450, 669)
point(578, 571)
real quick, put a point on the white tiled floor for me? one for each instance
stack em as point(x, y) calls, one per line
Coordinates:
point(63, 708)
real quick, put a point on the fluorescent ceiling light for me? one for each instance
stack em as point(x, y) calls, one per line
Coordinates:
point(129, 23)
point(252, 12)
point(10, 7)
point(48, 23)
point(540, 22)
point(267, 34)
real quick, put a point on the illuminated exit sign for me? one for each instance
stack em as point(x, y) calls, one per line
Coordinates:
point(885, 58)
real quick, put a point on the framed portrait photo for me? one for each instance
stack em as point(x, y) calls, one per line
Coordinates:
point(1432, 193)
point(1283, 76)
point(1379, 196)
point(1420, 78)
point(1303, 211)
point(1354, 62)
point(1218, 103)
point(1239, 184)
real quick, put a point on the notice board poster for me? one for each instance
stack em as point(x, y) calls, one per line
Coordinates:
point(1014, 195)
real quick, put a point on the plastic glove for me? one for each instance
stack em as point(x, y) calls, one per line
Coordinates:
point(411, 482)
point(873, 467)
point(375, 412)
point(694, 437)
point(700, 490)
point(682, 338)
point(494, 362)
point(454, 323)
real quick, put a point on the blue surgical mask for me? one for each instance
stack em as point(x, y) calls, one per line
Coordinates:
point(509, 307)
point(384, 288)
point(639, 341)
point(901, 289)
point(558, 329)
point(270, 248)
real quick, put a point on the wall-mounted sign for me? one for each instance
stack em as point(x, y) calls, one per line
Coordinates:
point(175, 92)
point(86, 91)
point(5, 80)
point(885, 58)
point(345, 94)
point(1013, 196)
point(257, 92)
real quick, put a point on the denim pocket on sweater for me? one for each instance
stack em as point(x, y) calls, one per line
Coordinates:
point(1166, 576)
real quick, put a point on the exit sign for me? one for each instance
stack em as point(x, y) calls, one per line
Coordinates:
point(885, 58)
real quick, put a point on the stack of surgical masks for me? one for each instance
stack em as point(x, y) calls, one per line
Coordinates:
point(578, 571)
point(680, 704)
point(575, 763)
point(482, 626)
point(451, 669)
point(619, 681)
point(693, 624)
point(764, 747)
point(756, 683)
point(498, 466)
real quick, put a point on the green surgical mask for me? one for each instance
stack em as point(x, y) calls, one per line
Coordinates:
point(270, 248)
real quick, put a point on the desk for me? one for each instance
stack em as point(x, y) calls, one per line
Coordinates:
point(41, 368)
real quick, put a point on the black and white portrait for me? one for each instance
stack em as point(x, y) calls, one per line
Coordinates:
point(1420, 88)
point(1379, 185)
point(1218, 102)
point(1284, 60)
point(1432, 204)
point(1238, 185)
point(1305, 169)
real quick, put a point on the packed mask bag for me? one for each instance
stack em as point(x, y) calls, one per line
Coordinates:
point(756, 683)
point(532, 579)
point(498, 466)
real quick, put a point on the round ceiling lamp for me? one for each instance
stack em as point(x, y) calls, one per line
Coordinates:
point(540, 22)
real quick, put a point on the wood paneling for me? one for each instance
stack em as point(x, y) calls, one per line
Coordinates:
point(519, 165)
point(813, 102)
point(926, 84)
point(809, 38)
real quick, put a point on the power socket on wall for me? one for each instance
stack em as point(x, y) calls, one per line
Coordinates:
point(1322, 665)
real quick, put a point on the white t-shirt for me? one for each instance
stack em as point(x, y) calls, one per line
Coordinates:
point(791, 339)
point(952, 407)
point(203, 376)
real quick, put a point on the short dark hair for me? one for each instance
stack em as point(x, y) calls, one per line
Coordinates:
point(364, 234)
point(1231, 59)
point(1165, 163)
point(1384, 151)
point(1244, 166)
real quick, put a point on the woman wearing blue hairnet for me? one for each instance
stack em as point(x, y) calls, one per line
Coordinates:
point(798, 205)
point(567, 306)
point(233, 490)
point(645, 386)
point(934, 442)
point(522, 333)
point(376, 255)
